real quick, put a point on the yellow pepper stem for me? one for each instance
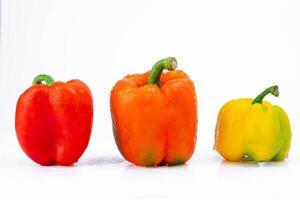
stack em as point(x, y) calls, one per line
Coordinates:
point(274, 90)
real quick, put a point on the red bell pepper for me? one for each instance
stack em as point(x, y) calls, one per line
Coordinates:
point(54, 120)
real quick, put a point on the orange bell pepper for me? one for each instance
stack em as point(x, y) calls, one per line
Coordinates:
point(155, 116)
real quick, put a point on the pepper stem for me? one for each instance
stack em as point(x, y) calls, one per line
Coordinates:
point(39, 79)
point(168, 63)
point(274, 90)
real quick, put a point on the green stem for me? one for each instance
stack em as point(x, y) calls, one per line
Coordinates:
point(39, 79)
point(168, 63)
point(274, 90)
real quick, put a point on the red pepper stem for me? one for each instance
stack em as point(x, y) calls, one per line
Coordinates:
point(39, 79)
point(168, 63)
point(274, 90)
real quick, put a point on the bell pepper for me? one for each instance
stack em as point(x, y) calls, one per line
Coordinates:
point(54, 120)
point(154, 116)
point(254, 130)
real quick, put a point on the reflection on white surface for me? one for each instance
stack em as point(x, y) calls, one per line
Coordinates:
point(102, 173)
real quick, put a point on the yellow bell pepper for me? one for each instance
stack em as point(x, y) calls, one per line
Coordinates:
point(255, 130)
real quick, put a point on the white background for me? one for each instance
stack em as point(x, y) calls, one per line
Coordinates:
point(230, 48)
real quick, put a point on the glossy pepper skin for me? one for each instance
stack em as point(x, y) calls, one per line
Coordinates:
point(54, 120)
point(155, 116)
point(253, 130)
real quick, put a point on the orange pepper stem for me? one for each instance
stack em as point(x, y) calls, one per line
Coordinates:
point(274, 90)
point(39, 79)
point(168, 63)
